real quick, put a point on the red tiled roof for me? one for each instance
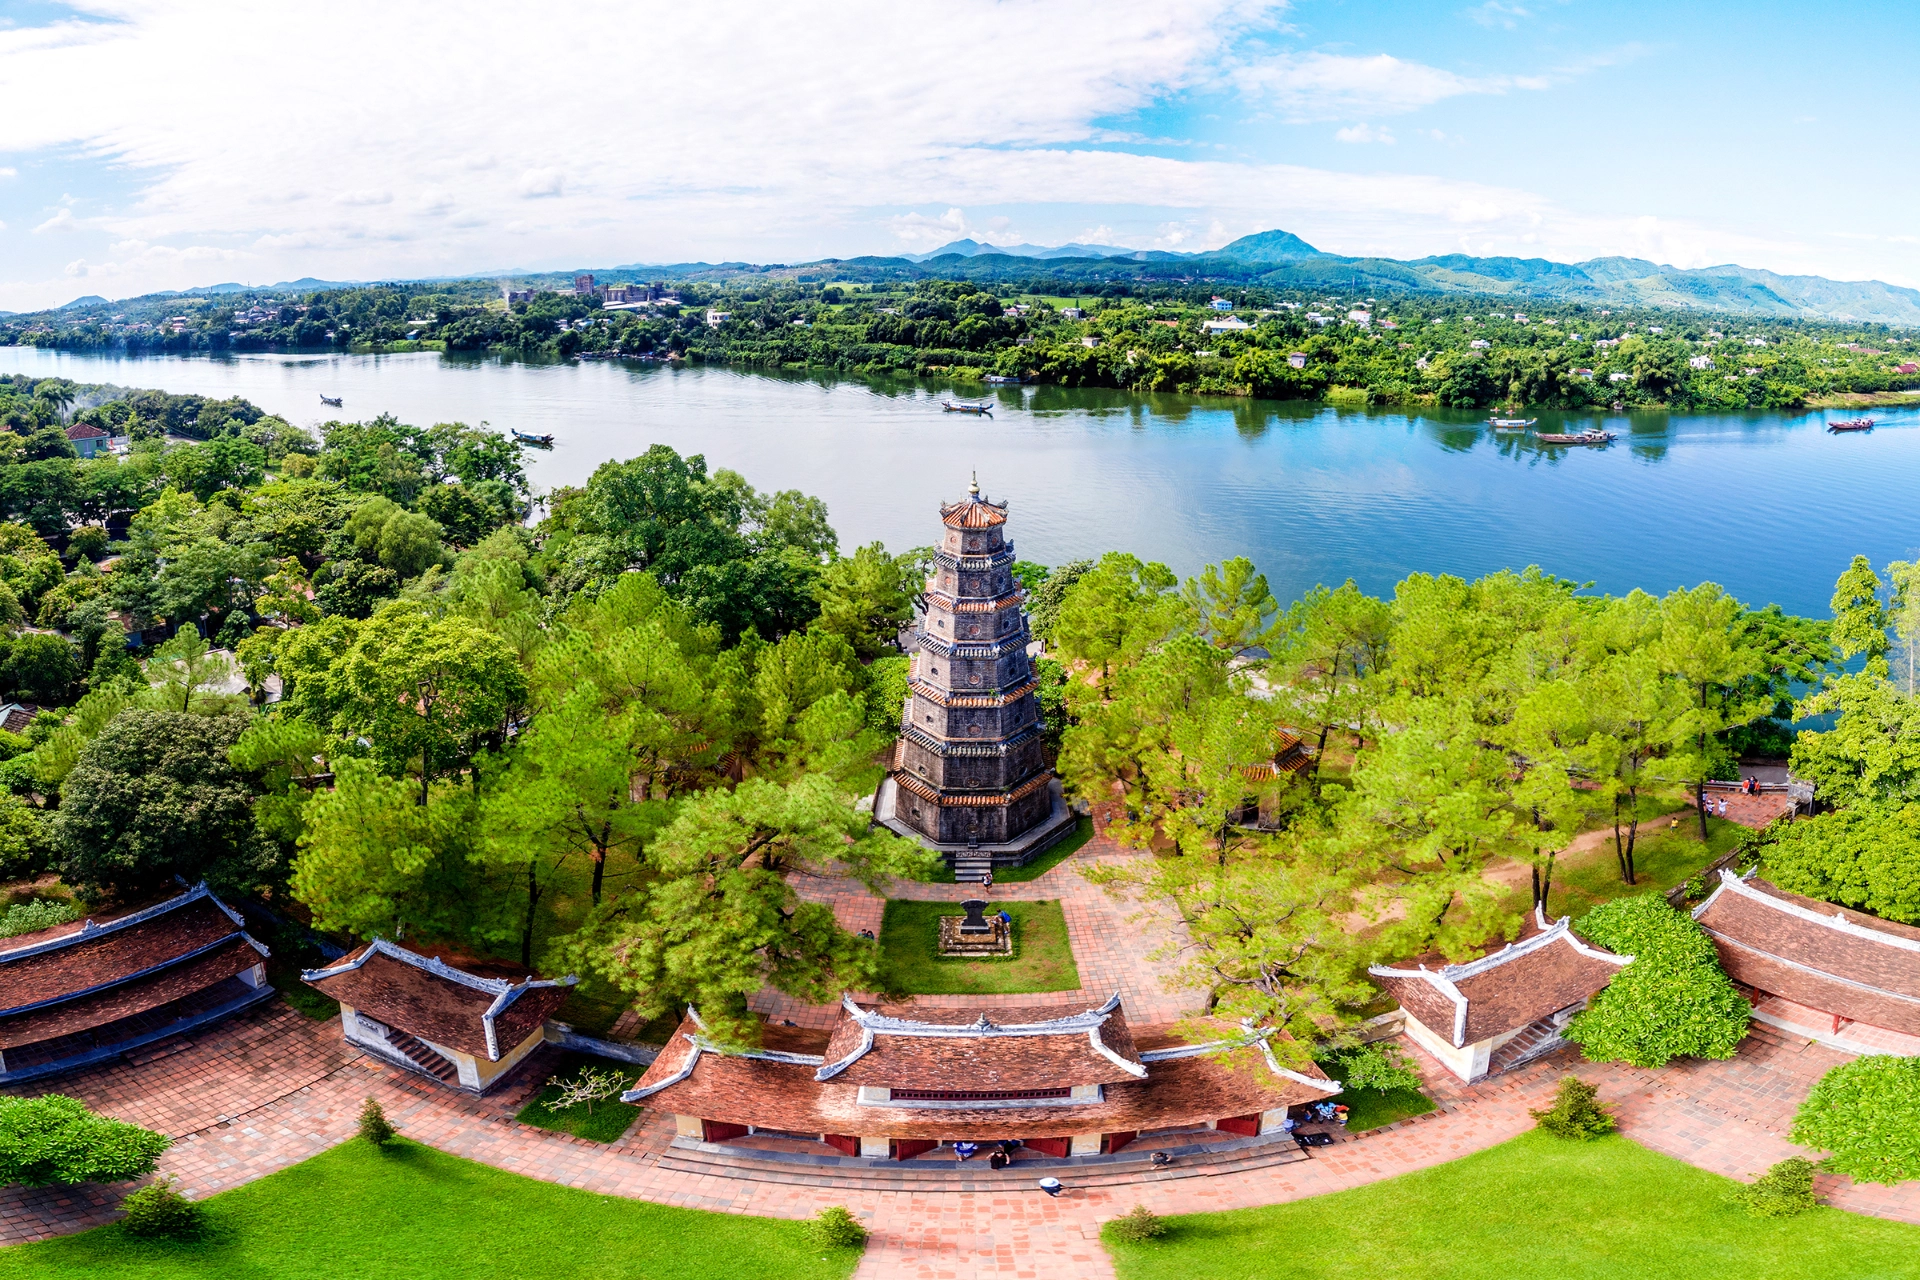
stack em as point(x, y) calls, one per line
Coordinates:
point(1521, 983)
point(973, 513)
point(1815, 953)
point(128, 998)
point(85, 431)
point(903, 1048)
point(75, 962)
point(776, 1094)
point(437, 1002)
point(962, 799)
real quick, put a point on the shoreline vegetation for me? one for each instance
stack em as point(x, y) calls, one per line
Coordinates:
point(1436, 350)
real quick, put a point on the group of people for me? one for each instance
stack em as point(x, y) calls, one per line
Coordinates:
point(999, 1158)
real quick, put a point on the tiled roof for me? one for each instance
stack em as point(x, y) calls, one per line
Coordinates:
point(968, 1049)
point(85, 431)
point(164, 986)
point(53, 967)
point(962, 799)
point(973, 513)
point(1815, 953)
point(17, 717)
point(1184, 1086)
point(941, 698)
point(1518, 984)
point(431, 999)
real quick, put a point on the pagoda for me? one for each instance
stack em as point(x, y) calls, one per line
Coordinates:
point(969, 778)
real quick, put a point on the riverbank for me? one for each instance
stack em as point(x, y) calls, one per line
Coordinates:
point(1864, 400)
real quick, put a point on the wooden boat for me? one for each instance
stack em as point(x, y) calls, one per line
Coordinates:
point(1511, 424)
point(335, 401)
point(984, 410)
point(1851, 424)
point(538, 442)
point(1585, 437)
point(1003, 380)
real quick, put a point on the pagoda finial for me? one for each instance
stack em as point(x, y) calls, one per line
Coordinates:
point(974, 488)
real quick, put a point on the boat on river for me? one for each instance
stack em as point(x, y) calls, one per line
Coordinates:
point(984, 410)
point(1584, 437)
point(1511, 424)
point(1851, 424)
point(335, 401)
point(538, 442)
point(1003, 380)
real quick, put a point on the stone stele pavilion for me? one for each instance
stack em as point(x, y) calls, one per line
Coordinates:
point(463, 1027)
point(76, 994)
point(1492, 1014)
point(893, 1082)
point(969, 779)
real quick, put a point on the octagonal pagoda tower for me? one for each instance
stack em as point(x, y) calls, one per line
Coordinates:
point(969, 777)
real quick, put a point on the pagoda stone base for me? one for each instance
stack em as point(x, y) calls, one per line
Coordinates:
point(1022, 849)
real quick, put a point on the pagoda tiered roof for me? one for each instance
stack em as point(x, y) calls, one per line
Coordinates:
point(973, 512)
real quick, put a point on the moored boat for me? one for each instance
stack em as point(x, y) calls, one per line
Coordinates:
point(538, 442)
point(1584, 437)
point(985, 410)
point(1851, 424)
point(1511, 424)
point(1004, 380)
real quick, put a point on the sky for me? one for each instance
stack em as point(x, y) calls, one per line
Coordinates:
point(164, 144)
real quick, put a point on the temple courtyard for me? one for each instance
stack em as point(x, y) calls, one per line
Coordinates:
point(268, 1088)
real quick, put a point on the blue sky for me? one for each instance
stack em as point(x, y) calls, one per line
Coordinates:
point(149, 144)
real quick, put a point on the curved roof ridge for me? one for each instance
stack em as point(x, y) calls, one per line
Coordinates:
point(1838, 921)
point(88, 931)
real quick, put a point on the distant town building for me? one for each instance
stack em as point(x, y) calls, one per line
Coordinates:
point(1479, 344)
point(1700, 362)
point(1072, 313)
point(1221, 304)
point(1908, 367)
point(582, 285)
point(1361, 318)
point(516, 296)
point(717, 318)
point(87, 440)
point(1089, 343)
point(1619, 377)
point(1297, 359)
point(1228, 324)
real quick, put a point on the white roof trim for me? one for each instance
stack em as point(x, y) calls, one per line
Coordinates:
point(504, 993)
point(880, 1024)
point(686, 1069)
point(1261, 1037)
point(1837, 922)
point(1443, 979)
point(88, 931)
point(701, 1044)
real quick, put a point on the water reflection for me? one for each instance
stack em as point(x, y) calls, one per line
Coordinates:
point(1768, 504)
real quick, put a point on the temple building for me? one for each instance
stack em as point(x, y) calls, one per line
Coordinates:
point(77, 994)
point(461, 1027)
point(892, 1082)
point(1817, 970)
point(969, 778)
point(1492, 1014)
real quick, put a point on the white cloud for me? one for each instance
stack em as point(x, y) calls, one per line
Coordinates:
point(1326, 86)
point(774, 132)
point(61, 221)
point(1364, 132)
point(7, 172)
point(1495, 14)
point(535, 183)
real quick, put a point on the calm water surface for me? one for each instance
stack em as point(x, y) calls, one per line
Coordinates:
point(1770, 505)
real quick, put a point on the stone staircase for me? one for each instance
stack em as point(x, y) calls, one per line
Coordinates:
point(1532, 1041)
point(1135, 1164)
point(424, 1059)
point(971, 867)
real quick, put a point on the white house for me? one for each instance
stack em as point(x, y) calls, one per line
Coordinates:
point(717, 318)
point(1619, 377)
point(1297, 359)
point(1221, 304)
point(1228, 324)
point(1700, 362)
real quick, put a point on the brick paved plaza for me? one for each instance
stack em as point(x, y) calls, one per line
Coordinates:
point(270, 1088)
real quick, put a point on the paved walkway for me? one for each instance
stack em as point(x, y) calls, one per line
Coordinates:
point(270, 1088)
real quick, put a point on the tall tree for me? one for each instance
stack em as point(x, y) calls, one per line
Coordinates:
point(1700, 650)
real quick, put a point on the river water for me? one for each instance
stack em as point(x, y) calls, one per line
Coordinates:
point(1769, 505)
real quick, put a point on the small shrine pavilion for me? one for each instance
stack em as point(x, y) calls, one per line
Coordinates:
point(892, 1082)
point(968, 776)
point(1815, 969)
point(462, 1028)
point(1494, 1013)
point(77, 994)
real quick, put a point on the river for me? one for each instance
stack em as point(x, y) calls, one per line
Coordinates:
point(1769, 505)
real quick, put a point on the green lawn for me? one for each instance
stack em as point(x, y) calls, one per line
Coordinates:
point(1082, 832)
point(1663, 856)
point(1535, 1208)
point(412, 1213)
point(910, 962)
point(1371, 1108)
point(604, 1122)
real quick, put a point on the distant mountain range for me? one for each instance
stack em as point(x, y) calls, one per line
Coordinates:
point(1282, 260)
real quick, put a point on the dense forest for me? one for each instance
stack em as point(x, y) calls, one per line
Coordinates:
point(344, 676)
point(1408, 349)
